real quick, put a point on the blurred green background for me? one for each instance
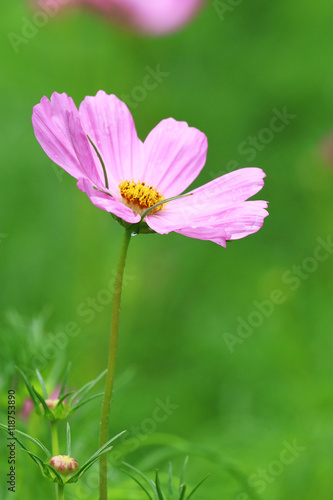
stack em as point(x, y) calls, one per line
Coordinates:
point(226, 77)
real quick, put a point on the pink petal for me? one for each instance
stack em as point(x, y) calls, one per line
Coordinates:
point(231, 224)
point(151, 16)
point(238, 185)
point(215, 234)
point(51, 126)
point(83, 150)
point(220, 193)
point(175, 155)
point(246, 219)
point(213, 197)
point(216, 211)
point(107, 202)
point(158, 16)
point(109, 124)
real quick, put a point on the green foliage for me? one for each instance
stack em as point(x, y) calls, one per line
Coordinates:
point(21, 341)
point(50, 472)
point(154, 491)
point(66, 404)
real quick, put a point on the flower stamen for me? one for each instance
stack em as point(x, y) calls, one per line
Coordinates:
point(139, 196)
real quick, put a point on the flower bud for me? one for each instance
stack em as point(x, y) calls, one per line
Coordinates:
point(51, 403)
point(59, 412)
point(66, 466)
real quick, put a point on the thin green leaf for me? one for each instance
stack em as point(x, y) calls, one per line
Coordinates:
point(97, 379)
point(147, 212)
point(182, 474)
point(78, 393)
point(95, 456)
point(64, 383)
point(46, 472)
point(158, 486)
point(171, 495)
point(56, 473)
point(65, 396)
point(138, 482)
point(47, 411)
point(87, 387)
point(87, 466)
point(153, 487)
point(102, 163)
point(36, 441)
point(141, 474)
point(69, 440)
point(42, 383)
point(34, 457)
point(78, 405)
point(182, 492)
point(107, 444)
point(197, 486)
point(31, 392)
point(5, 428)
point(83, 470)
point(176, 446)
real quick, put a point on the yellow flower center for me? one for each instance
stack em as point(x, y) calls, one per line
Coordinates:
point(139, 196)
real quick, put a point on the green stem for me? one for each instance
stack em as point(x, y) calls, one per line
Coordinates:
point(103, 480)
point(55, 439)
point(61, 488)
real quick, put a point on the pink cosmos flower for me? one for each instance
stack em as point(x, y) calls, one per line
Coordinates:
point(134, 180)
point(150, 16)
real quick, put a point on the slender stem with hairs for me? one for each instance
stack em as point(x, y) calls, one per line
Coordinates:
point(103, 473)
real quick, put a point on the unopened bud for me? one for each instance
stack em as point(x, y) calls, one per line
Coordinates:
point(51, 403)
point(59, 411)
point(66, 466)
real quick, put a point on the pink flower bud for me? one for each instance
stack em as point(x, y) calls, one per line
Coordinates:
point(66, 466)
point(51, 403)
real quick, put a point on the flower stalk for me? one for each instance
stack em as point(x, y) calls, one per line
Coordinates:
point(61, 489)
point(54, 438)
point(105, 417)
